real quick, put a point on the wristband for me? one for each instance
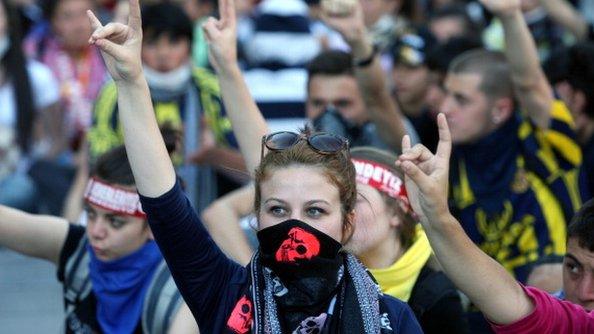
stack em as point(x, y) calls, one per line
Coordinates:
point(367, 61)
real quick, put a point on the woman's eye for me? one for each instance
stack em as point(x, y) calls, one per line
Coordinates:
point(116, 222)
point(277, 210)
point(315, 212)
point(91, 216)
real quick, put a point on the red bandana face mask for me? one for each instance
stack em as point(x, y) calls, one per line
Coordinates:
point(294, 246)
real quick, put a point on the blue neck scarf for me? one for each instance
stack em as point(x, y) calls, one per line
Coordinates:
point(120, 286)
point(490, 164)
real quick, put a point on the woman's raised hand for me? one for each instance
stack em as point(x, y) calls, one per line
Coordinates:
point(221, 35)
point(426, 175)
point(120, 44)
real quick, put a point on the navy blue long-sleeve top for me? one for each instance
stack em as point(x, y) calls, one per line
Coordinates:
point(210, 282)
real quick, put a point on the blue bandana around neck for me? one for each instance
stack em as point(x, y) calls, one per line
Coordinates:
point(490, 164)
point(120, 286)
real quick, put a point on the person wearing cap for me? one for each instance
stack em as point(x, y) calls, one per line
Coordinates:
point(411, 78)
point(114, 276)
point(515, 165)
point(347, 93)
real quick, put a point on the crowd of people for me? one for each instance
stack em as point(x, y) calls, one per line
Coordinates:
point(293, 166)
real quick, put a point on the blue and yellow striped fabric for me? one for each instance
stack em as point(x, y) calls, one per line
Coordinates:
point(106, 131)
point(522, 214)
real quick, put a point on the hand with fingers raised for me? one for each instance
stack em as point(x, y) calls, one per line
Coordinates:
point(502, 7)
point(120, 44)
point(346, 17)
point(221, 36)
point(426, 175)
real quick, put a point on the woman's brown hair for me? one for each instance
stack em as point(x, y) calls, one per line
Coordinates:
point(337, 167)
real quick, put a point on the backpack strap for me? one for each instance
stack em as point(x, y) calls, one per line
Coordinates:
point(161, 302)
point(77, 282)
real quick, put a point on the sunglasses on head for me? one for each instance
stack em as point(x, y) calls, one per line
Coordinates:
point(321, 142)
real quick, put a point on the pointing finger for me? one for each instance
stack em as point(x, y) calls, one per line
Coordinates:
point(134, 19)
point(95, 23)
point(444, 147)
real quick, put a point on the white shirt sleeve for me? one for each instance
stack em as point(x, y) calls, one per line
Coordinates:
point(44, 86)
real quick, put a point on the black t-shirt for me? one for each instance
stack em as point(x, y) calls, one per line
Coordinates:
point(83, 320)
point(436, 304)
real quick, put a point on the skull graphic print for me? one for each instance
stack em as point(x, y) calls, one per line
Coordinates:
point(300, 245)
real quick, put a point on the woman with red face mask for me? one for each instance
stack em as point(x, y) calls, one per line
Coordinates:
point(300, 280)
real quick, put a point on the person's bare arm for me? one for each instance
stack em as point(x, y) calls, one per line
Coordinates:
point(120, 46)
point(246, 119)
point(221, 219)
point(532, 89)
point(32, 235)
point(563, 13)
point(488, 285)
point(183, 322)
point(73, 205)
point(382, 109)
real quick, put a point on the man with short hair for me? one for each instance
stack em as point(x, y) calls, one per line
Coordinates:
point(515, 164)
point(578, 263)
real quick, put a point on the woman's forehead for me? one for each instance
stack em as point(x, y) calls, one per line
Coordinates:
point(301, 182)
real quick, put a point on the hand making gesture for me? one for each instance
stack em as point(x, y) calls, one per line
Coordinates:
point(426, 175)
point(120, 44)
point(501, 7)
point(346, 17)
point(221, 35)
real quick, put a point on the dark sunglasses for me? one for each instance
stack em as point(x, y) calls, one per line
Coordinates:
point(321, 142)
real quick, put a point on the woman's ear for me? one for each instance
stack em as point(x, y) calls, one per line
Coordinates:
point(395, 220)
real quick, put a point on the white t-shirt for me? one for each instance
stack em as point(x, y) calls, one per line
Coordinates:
point(44, 89)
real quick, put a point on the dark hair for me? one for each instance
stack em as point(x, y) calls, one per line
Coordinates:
point(333, 63)
point(579, 72)
point(387, 160)
point(493, 68)
point(457, 11)
point(113, 167)
point(582, 226)
point(338, 168)
point(166, 19)
point(440, 57)
point(15, 65)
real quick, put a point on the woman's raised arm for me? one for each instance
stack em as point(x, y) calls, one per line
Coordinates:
point(248, 123)
point(120, 45)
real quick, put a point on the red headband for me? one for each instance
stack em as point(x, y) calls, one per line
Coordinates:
point(382, 179)
point(115, 199)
